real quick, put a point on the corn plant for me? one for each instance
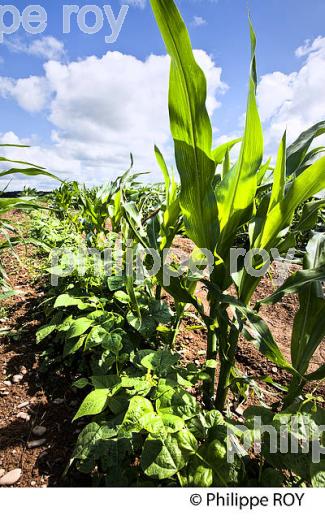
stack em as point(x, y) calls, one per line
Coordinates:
point(8, 232)
point(28, 192)
point(64, 199)
point(215, 212)
point(309, 324)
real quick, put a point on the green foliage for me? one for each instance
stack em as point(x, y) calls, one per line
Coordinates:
point(52, 231)
point(298, 154)
point(9, 235)
point(309, 327)
point(191, 128)
point(156, 419)
point(214, 216)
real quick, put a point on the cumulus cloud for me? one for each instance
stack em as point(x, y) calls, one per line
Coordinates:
point(32, 94)
point(46, 47)
point(103, 108)
point(54, 158)
point(274, 90)
point(310, 46)
point(294, 101)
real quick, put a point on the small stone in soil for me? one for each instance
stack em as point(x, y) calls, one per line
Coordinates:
point(23, 371)
point(7, 383)
point(3, 393)
point(17, 378)
point(274, 370)
point(24, 416)
point(23, 405)
point(240, 410)
point(33, 483)
point(11, 477)
point(39, 431)
point(36, 444)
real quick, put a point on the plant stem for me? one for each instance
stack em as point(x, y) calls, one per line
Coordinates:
point(180, 310)
point(212, 350)
point(222, 389)
point(228, 348)
point(158, 293)
point(294, 390)
point(175, 332)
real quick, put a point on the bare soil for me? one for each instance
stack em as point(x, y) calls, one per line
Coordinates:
point(49, 402)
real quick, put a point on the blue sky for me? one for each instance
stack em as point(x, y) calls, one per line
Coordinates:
point(80, 135)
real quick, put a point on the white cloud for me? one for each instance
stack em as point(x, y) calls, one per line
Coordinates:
point(12, 138)
point(274, 90)
point(46, 47)
point(213, 74)
point(54, 158)
point(198, 21)
point(294, 101)
point(104, 108)
point(310, 46)
point(31, 94)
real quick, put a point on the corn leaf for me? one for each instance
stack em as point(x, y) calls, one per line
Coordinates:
point(262, 172)
point(163, 166)
point(279, 175)
point(226, 165)
point(5, 159)
point(172, 211)
point(255, 328)
point(220, 152)
point(237, 190)
point(317, 375)
point(309, 323)
point(190, 127)
point(309, 216)
point(297, 151)
point(16, 145)
point(295, 282)
point(309, 183)
point(30, 172)
point(270, 230)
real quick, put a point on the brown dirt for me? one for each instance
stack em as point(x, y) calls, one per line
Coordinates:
point(42, 466)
